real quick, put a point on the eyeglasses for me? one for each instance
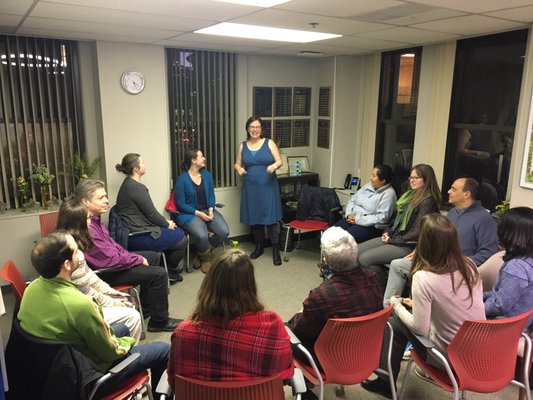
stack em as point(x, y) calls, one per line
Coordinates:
point(414, 178)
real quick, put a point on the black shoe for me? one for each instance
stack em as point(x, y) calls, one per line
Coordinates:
point(276, 258)
point(168, 326)
point(258, 251)
point(378, 386)
point(174, 276)
point(309, 395)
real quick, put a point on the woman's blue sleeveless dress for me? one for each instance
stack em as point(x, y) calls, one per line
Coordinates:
point(260, 197)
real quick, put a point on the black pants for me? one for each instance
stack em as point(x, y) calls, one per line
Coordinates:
point(153, 281)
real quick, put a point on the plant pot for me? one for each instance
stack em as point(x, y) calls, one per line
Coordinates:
point(23, 201)
point(45, 197)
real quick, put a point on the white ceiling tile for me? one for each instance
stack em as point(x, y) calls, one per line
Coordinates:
point(475, 6)
point(338, 8)
point(367, 43)
point(201, 38)
point(18, 7)
point(522, 14)
point(470, 25)
point(432, 15)
point(410, 35)
point(9, 20)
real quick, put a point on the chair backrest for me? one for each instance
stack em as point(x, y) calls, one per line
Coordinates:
point(483, 353)
point(11, 274)
point(318, 203)
point(39, 368)
point(48, 222)
point(349, 348)
point(270, 388)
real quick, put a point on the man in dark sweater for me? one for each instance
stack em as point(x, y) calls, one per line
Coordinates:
point(475, 227)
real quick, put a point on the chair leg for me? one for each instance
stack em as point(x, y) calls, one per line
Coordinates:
point(188, 267)
point(404, 381)
point(164, 258)
point(285, 258)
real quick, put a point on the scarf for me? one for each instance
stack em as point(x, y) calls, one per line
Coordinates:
point(404, 210)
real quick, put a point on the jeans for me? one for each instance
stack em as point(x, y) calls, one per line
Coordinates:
point(172, 242)
point(398, 275)
point(153, 356)
point(199, 230)
point(360, 233)
point(153, 281)
point(374, 254)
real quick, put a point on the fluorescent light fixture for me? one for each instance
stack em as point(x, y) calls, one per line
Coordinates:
point(257, 3)
point(265, 33)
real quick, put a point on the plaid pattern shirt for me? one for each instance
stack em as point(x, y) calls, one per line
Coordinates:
point(250, 346)
point(347, 294)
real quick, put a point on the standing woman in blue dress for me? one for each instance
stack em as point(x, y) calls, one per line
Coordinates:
point(257, 161)
point(195, 197)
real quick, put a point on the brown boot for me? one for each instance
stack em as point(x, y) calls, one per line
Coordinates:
point(205, 260)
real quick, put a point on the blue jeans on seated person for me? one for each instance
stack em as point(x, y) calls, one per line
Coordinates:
point(199, 230)
point(153, 356)
point(359, 232)
point(172, 242)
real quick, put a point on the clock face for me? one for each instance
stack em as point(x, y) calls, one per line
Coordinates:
point(132, 82)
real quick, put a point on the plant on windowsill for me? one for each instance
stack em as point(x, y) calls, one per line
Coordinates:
point(82, 168)
point(502, 208)
point(42, 176)
point(23, 193)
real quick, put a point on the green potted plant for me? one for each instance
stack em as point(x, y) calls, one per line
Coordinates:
point(42, 176)
point(82, 168)
point(502, 208)
point(23, 192)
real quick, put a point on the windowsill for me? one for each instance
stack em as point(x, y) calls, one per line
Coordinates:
point(12, 214)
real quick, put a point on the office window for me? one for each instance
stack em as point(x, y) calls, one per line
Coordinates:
point(286, 114)
point(40, 113)
point(486, 87)
point(398, 100)
point(202, 109)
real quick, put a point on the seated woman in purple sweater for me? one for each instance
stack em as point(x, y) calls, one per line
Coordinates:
point(513, 291)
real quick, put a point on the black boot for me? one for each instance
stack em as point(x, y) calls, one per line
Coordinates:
point(276, 258)
point(258, 250)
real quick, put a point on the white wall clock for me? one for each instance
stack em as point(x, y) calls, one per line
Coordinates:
point(132, 81)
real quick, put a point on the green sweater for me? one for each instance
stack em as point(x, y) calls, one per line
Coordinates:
point(55, 309)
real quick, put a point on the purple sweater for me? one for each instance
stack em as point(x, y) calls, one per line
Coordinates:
point(106, 252)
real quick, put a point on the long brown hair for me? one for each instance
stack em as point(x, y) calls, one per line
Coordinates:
point(438, 251)
point(73, 219)
point(228, 290)
point(431, 187)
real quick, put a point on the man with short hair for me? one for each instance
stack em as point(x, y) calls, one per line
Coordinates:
point(350, 292)
point(53, 308)
point(134, 268)
point(476, 230)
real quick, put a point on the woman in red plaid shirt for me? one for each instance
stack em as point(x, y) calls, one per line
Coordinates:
point(230, 337)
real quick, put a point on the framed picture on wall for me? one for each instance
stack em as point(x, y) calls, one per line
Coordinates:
point(526, 177)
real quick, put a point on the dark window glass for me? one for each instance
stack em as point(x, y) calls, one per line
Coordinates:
point(398, 99)
point(486, 88)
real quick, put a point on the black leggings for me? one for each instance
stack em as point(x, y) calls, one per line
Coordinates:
point(273, 233)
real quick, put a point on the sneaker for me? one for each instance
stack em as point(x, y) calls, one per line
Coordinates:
point(174, 276)
point(422, 375)
point(407, 352)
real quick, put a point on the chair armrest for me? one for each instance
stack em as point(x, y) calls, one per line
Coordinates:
point(428, 344)
point(298, 382)
point(116, 268)
point(139, 233)
point(112, 372)
point(163, 388)
point(293, 337)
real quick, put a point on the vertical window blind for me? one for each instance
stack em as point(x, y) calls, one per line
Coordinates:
point(40, 114)
point(202, 109)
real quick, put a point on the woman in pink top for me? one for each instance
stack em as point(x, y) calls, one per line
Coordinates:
point(446, 291)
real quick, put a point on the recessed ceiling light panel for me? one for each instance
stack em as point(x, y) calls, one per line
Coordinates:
point(257, 3)
point(265, 33)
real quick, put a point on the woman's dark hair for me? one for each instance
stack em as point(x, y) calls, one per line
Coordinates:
point(253, 118)
point(515, 232)
point(190, 154)
point(228, 290)
point(50, 253)
point(384, 173)
point(129, 162)
point(431, 187)
point(438, 251)
point(73, 219)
